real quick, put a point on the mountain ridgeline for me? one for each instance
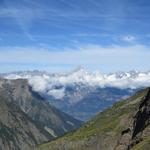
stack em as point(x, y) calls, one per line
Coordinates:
point(26, 119)
point(124, 126)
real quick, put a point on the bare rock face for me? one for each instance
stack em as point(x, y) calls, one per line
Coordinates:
point(26, 119)
point(140, 127)
point(19, 92)
point(17, 130)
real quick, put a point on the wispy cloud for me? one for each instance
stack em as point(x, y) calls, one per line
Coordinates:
point(75, 23)
point(72, 16)
point(91, 56)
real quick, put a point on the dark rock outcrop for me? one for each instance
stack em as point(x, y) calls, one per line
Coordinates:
point(139, 128)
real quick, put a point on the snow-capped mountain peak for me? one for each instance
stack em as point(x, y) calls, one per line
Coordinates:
point(55, 84)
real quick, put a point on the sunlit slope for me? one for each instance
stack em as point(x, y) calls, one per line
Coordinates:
point(104, 131)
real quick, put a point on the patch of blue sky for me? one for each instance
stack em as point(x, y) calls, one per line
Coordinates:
point(74, 25)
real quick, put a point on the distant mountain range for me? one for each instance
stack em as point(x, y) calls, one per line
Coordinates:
point(132, 79)
point(82, 94)
point(26, 119)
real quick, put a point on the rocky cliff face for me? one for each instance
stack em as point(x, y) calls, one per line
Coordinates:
point(17, 130)
point(139, 128)
point(26, 119)
point(31, 103)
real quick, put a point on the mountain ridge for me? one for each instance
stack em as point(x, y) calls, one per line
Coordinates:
point(51, 121)
point(17, 130)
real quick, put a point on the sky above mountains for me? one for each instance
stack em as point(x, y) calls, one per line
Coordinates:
point(58, 35)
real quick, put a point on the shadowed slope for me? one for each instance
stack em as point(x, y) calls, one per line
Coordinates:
point(26, 119)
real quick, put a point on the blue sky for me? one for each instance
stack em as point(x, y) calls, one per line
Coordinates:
point(58, 35)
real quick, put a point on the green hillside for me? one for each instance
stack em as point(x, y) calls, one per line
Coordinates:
point(104, 131)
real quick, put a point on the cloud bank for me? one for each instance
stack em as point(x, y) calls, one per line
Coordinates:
point(55, 84)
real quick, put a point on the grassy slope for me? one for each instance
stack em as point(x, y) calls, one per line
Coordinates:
point(144, 145)
point(105, 127)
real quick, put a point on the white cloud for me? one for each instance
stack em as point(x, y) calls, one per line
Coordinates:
point(57, 93)
point(55, 84)
point(44, 84)
point(110, 58)
point(38, 83)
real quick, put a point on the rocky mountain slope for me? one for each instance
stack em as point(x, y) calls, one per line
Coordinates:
point(17, 130)
point(26, 114)
point(139, 130)
point(125, 126)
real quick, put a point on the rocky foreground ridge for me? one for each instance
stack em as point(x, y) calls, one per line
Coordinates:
point(139, 130)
